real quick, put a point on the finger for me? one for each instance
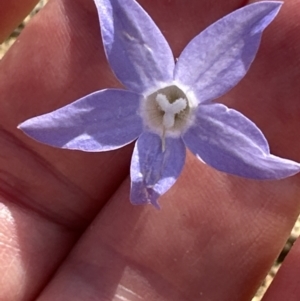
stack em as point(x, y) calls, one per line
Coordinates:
point(31, 247)
point(225, 238)
point(268, 95)
point(48, 197)
point(52, 75)
point(213, 231)
point(12, 14)
point(285, 285)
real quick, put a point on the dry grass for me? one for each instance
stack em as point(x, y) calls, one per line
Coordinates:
point(6, 44)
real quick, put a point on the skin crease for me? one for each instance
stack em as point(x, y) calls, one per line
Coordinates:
point(67, 229)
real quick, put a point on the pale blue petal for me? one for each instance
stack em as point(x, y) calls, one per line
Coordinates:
point(229, 142)
point(102, 121)
point(136, 49)
point(220, 56)
point(154, 170)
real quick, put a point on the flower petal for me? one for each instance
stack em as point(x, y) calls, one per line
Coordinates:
point(229, 142)
point(136, 49)
point(220, 56)
point(102, 121)
point(153, 171)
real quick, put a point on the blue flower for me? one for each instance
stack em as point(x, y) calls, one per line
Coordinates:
point(168, 106)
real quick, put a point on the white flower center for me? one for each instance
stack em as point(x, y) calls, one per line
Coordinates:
point(170, 109)
point(167, 112)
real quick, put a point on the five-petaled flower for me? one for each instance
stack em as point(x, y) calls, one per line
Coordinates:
point(168, 106)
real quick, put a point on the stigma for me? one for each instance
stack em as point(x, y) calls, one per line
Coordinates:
point(170, 109)
point(168, 112)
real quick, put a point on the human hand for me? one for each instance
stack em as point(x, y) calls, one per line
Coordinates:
point(216, 235)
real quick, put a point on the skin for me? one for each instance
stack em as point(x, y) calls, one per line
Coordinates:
point(67, 228)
